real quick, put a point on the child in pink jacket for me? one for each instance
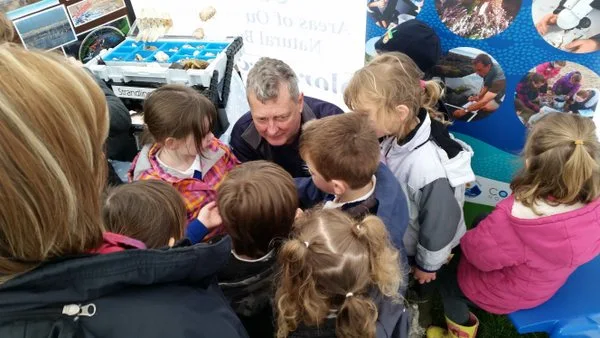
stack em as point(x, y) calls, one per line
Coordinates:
point(524, 251)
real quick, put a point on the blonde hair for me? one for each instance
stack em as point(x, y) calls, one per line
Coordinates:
point(390, 80)
point(562, 162)
point(53, 124)
point(7, 32)
point(332, 262)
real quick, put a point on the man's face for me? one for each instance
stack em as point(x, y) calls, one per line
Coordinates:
point(481, 69)
point(277, 121)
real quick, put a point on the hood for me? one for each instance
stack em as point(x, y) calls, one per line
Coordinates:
point(80, 279)
point(575, 234)
point(454, 155)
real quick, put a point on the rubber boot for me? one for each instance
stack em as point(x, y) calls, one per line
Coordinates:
point(454, 330)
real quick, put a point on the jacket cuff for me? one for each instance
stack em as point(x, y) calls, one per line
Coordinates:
point(431, 261)
point(196, 231)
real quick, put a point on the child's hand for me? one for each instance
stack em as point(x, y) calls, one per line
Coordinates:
point(209, 215)
point(422, 276)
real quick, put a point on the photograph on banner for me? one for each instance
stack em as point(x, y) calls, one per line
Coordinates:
point(474, 82)
point(15, 9)
point(88, 10)
point(389, 13)
point(46, 30)
point(557, 87)
point(571, 25)
point(89, 44)
point(477, 19)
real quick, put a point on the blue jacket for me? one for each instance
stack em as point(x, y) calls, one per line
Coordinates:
point(392, 205)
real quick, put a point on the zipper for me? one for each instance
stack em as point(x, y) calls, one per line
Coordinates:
point(71, 310)
point(78, 310)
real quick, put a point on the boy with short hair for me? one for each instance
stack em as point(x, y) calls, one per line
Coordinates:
point(342, 155)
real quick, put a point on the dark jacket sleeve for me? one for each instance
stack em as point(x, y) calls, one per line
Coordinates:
point(439, 216)
point(308, 193)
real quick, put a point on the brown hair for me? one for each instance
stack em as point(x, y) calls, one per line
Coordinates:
point(561, 63)
point(389, 80)
point(576, 77)
point(258, 202)
point(52, 166)
point(151, 211)
point(562, 154)
point(178, 111)
point(331, 262)
point(7, 32)
point(535, 78)
point(484, 59)
point(342, 147)
point(584, 93)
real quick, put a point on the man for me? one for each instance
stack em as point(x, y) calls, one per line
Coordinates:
point(491, 94)
point(271, 130)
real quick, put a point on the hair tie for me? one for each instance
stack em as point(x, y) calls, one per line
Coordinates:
point(578, 142)
point(422, 83)
point(349, 294)
point(358, 227)
point(306, 243)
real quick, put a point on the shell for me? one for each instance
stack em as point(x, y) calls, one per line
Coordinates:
point(161, 56)
point(207, 13)
point(198, 33)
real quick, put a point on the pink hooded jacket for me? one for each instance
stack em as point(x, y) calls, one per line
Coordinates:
point(509, 264)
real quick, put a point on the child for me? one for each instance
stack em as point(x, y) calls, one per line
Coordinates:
point(528, 90)
point(185, 153)
point(525, 250)
point(550, 70)
point(431, 166)
point(151, 211)
point(339, 278)
point(258, 203)
point(342, 155)
point(586, 99)
point(568, 85)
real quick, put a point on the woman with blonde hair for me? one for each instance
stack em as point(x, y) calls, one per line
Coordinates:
point(61, 274)
point(339, 278)
point(524, 251)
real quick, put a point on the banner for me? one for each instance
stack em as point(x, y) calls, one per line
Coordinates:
point(521, 38)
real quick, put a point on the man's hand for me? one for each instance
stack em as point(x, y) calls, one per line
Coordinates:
point(209, 215)
point(583, 46)
point(545, 21)
point(422, 276)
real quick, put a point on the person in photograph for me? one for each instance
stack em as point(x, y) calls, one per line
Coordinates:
point(385, 12)
point(492, 93)
point(586, 99)
point(568, 85)
point(549, 70)
point(585, 45)
point(528, 91)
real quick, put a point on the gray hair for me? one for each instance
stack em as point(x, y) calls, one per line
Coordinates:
point(266, 76)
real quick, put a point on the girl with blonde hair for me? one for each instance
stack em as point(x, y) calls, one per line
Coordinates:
point(339, 278)
point(431, 166)
point(61, 273)
point(524, 251)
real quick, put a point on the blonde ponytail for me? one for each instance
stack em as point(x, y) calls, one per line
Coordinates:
point(357, 317)
point(432, 93)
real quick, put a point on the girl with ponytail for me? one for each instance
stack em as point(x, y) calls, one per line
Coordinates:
point(432, 166)
point(339, 278)
point(524, 251)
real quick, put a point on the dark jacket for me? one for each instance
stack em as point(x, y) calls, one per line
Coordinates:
point(392, 206)
point(136, 293)
point(120, 145)
point(247, 144)
point(249, 288)
point(393, 321)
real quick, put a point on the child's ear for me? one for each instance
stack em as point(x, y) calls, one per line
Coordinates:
point(339, 187)
point(171, 143)
point(403, 113)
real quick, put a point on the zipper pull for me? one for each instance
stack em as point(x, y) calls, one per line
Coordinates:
point(75, 310)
